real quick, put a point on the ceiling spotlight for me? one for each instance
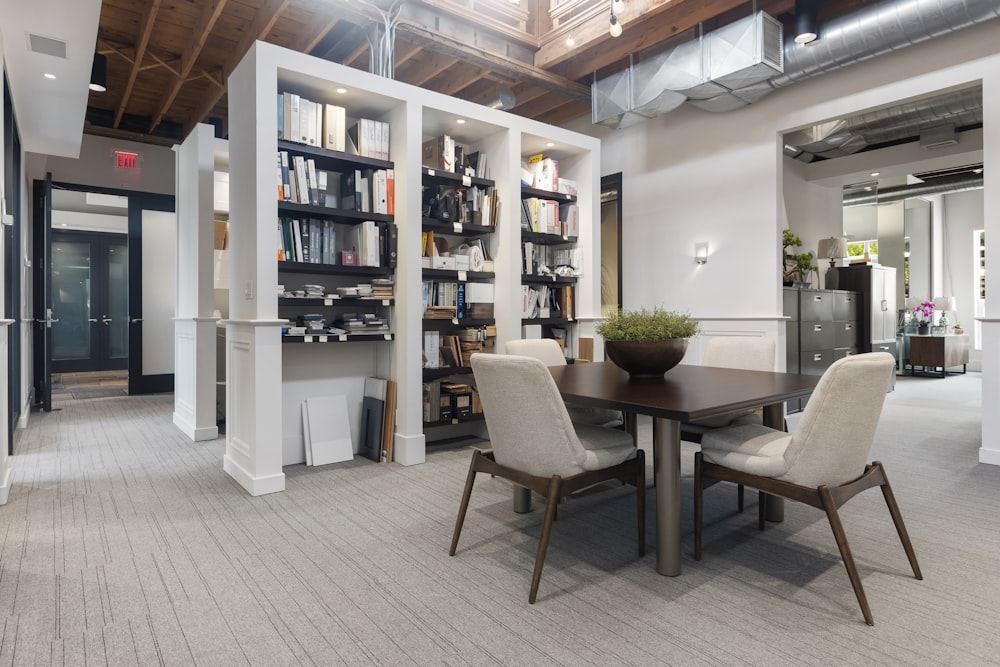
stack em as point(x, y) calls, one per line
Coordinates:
point(806, 23)
point(550, 144)
point(875, 173)
point(341, 91)
point(99, 73)
point(616, 27)
point(570, 41)
point(48, 75)
point(460, 121)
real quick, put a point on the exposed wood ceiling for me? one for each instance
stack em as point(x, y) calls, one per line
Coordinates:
point(168, 60)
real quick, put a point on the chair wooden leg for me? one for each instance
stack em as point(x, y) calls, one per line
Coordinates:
point(761, 510)
point(739, 498)
point(698, 505)
point(551, 501)
point(897, 519)
point(463, 508)
point(640, 492)
point(845, 551)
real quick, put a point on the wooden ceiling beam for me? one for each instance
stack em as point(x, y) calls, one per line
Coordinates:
point(538, 106)
point(566, 112)
point(160, 62)
point(210, 12)
point(140, 51)
point(263, 21)
point(419, 72)
point(352, 59)
point(459, 78)
point(321, 30)
point(115, 49)
point(408, 53)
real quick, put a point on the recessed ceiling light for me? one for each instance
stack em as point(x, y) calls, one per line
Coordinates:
point(868, 188)
point(460, 121)
point(549, 145)
point(570, 41)
point(875, 173)
point(48, 75)
point(341, 91)
point(62, 224)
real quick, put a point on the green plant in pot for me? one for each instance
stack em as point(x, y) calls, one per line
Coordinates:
point(647, 343)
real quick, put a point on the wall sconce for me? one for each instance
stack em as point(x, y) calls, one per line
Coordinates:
point(701, 252)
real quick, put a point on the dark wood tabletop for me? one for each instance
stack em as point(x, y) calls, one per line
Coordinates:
point(685, 392)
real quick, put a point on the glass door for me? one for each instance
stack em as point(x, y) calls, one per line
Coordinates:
point(90, 301)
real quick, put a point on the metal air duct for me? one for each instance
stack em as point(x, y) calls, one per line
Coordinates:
point(938, 186)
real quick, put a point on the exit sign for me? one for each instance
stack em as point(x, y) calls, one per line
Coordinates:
point(126, 159)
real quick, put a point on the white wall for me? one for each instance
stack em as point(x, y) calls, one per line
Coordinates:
point(96, 166)
point(693, 176)
point(963, 213)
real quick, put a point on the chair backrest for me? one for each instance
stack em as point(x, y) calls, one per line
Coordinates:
point(752, 353)
point(545, 349)
point(529, 426)
point(833, 440)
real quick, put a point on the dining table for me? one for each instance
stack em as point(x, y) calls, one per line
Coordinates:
point(685, 393)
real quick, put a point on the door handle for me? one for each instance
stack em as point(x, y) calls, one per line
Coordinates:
point(48, 320)
point(105, 320)
point(135, 320)
point(91, 319)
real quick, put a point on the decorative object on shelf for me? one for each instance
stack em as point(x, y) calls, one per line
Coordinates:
point(701, 252)
point(958, 329)
point(923, 313)
point(647, 343)
point(795, 269)
point(946, 304)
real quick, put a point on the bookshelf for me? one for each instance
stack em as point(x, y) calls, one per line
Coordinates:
point(549, 235)
point(269, 378)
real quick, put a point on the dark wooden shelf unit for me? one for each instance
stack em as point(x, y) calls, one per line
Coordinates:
point(542, 238)
point(451, 178)
point(434, 324)
point(441, 227)
point(333, 160)
point(334, 269)
point(453, 274)
point(527, 193)
point(287, 209)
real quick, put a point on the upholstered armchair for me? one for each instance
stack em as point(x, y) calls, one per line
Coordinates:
point(823, 464)
point(535, 445)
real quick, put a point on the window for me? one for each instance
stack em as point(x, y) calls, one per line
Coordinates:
point(863, 248)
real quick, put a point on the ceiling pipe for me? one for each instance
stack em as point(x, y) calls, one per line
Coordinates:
point(938, 186)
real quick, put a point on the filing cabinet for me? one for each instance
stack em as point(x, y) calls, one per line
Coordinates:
point(822, 327)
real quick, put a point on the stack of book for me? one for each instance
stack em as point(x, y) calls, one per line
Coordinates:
point(439, 312)
point(382, 288)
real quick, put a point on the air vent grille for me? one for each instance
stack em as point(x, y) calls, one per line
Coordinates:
point(47, 46)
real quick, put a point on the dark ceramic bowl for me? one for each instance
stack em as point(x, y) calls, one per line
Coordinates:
point(646, 358)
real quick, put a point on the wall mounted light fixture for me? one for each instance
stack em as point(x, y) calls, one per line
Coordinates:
point(701, 252)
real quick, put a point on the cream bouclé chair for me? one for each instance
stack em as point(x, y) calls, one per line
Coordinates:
point(824, 463)
point(535, 445)
point(548, 351)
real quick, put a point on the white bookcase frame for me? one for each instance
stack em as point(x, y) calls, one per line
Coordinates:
point(261, 375)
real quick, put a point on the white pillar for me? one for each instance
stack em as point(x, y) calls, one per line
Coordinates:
point(194, 325)
point(989, 451)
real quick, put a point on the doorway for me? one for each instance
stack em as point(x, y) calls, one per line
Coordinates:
point(611, 243)
point(90, 301)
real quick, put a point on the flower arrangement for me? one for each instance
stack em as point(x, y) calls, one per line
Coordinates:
point(924, 312)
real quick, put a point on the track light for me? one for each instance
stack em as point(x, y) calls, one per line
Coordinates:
point(99, 73)
point(806, 24)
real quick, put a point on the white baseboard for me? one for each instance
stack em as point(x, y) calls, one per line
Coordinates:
point(5, 476)
point(192, 431)
point(255, 486)
point(989, 456)
point(409, 450)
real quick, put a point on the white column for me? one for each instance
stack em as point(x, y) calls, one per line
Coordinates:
point(5, 462)
point(989, 452)
point(194, 326)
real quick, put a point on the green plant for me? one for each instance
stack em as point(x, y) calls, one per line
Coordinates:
point(804, 265)
point(645, 324)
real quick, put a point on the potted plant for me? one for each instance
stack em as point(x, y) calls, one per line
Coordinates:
point(923, 314)
point(795, 268)
point(646, 343)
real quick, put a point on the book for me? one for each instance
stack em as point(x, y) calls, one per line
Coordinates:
point(389, 421)
point(372, 416)
point(390, 191)
point(334, 127)
point(281, 116)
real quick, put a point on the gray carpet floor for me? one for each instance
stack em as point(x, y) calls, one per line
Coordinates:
point(124, 543)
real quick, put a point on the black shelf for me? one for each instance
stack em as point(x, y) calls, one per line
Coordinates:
point(527, 193)
point(314, 302)
point(542, 238)
point(333, 160)
point(333, 269)
point(451, 178)
point(547, 321)
point(335, 338)
point(342, 215)
point(548, 280)
point(441, 227)
point(431, 374)
point(434, 324)
point(475, 417)
point(470, 276)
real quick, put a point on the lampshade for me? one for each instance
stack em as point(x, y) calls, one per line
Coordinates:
point(944, 303)
point(99, 73)
point(834, 247)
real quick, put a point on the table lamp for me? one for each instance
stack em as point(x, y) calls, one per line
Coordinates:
point(946, 304)
point(833, 248)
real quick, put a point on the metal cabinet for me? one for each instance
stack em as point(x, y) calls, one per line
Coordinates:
point(822, 327)
point(876, 286)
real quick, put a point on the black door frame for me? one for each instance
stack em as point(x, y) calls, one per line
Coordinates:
point(99, 357)
point(12, 261)
point(42, 292)
point(614, 182)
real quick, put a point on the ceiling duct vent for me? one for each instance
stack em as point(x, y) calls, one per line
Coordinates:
point(47, 46)
point(651, 93)
point(610, 98)
point(745, 52)
point(936, 137)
